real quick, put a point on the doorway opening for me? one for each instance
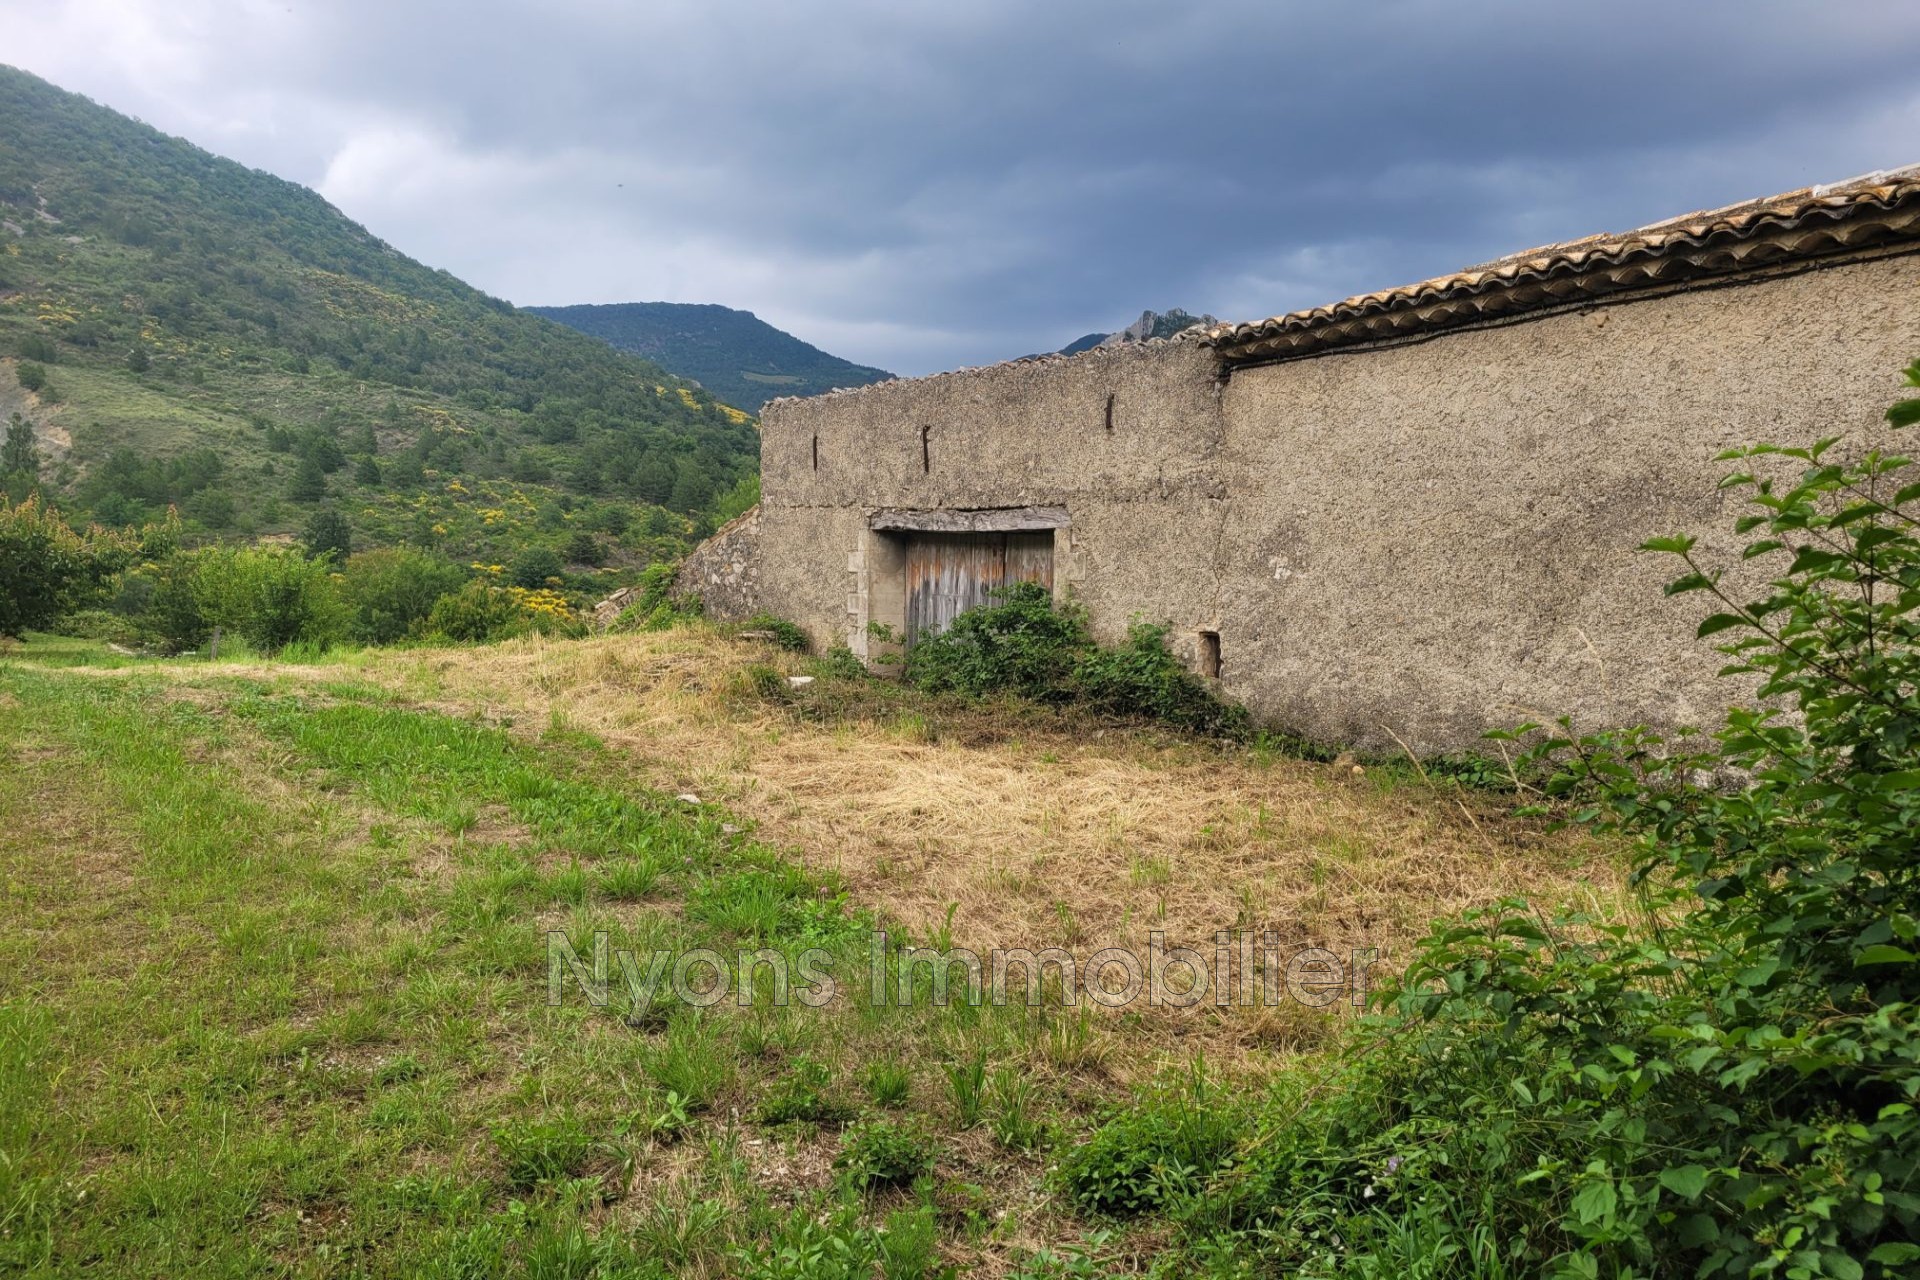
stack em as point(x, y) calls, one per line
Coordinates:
point(923, 569)
point(949, 573)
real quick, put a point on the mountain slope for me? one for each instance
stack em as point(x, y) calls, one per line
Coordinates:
point(1086, 342)
point(186, 330)
point(734, 354)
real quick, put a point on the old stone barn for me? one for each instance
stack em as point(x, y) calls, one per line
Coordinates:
point(1411, 513)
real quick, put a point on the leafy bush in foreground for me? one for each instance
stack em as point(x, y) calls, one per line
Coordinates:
point(476, 613)
point(391, 590)
point(44, 566)
point(1727, 1091)
point(1151, 1155)
point(1025, 644)
point(274, 597)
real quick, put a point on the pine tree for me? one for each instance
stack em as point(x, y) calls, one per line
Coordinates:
point(407, 471)
point(309, 481)
point(692, 487)
point(653, 479)
point(584, 548)
point(328, 534)
point(20, 454)
point(532, 567)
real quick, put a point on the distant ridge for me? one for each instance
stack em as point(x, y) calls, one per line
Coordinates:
point(734, 354)
point(1151, 324)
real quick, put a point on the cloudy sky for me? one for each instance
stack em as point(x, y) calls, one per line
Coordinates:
point(921, 186)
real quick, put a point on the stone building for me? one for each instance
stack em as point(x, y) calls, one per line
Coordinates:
point(1411, 514)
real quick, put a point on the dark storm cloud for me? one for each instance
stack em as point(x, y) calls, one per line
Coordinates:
point(921, 186)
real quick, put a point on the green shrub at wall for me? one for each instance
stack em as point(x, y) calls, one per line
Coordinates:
point(784, 634)
point(1020, 643)
point(1023, 643)
point(1150, 1155)
point(655, 607)
point(1141, 678)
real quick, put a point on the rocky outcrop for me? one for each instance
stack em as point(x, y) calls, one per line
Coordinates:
point(1157, 324)
point(605, 613)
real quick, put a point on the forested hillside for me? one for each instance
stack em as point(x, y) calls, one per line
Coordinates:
point(734, 354)
point(177, 329)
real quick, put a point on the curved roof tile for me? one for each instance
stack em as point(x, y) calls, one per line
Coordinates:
point(1877, 209)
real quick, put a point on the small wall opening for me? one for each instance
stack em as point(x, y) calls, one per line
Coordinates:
point(926, 452)
point(1109, 413)
point(1210, 654)
point(816, 451)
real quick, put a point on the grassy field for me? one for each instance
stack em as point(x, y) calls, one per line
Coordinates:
point(274, 957)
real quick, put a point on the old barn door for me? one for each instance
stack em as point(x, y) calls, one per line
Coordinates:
point(949, 573)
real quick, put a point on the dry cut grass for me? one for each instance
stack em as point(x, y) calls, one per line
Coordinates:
point(1051, 832)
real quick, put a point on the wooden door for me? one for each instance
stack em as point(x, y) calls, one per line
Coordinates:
point(949, 573)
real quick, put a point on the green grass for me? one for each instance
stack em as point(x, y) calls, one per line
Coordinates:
point(44, 649)
point(118, 411)
point(66, 651)
point(273, 1000)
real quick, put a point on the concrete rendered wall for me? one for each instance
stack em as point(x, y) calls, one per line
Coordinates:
point(1422, 540)
point(1439, 537)
point(1144, 496)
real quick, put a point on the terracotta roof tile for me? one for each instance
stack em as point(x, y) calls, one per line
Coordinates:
point(1866, 212)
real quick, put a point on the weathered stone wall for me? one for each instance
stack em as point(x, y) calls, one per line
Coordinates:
point(724, 571)
point(1416, 541)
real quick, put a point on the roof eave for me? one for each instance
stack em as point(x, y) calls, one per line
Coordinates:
point(1766, 234)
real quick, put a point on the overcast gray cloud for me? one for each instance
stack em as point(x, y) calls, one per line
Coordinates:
point(921, 186)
